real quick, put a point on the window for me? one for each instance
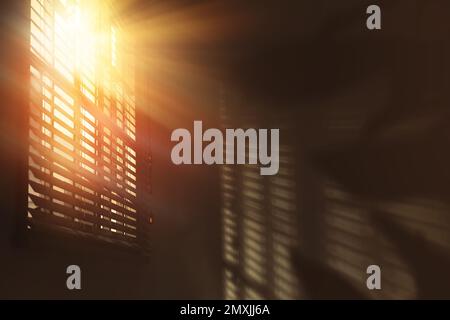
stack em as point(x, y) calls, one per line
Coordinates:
point(82, 151)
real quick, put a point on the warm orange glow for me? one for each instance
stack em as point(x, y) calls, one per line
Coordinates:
point(82, 125)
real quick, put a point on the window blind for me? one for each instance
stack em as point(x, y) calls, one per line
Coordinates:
point(82, 127)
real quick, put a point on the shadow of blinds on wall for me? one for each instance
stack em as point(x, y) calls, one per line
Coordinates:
point(259, 223)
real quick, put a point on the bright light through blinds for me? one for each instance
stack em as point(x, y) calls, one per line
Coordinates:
point(82, 154)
